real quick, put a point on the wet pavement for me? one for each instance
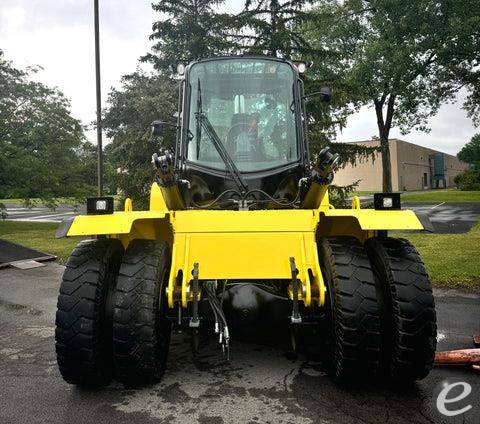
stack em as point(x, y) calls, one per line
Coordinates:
point(41, 213)
point(446, 217)
point(449, 218)
point(262, 384)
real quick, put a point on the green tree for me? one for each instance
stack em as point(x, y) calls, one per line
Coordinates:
point(468, 180)
point(131, 110)
point(273, 27)
point(189, 30)
point(399, 57)
point(470, 153)
point(287, 29)
point(194, 30)
point(39, 139)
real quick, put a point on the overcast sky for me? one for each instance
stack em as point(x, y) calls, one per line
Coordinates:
point(58, 35)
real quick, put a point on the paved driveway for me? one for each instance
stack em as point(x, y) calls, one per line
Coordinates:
point(449, 217)
point(260, 385)
point(40, 214)
point(446, 217)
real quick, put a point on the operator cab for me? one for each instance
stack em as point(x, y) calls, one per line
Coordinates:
point(252, 108)
point(241, 138)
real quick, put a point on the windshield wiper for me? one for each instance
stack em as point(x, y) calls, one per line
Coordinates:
point(204, 122)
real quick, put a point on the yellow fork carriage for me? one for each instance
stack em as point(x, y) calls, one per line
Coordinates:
point(333, 260)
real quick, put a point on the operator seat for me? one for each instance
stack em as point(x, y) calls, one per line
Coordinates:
point(242, 140)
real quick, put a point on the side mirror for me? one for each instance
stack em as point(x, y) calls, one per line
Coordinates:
point(159, 127)
point(325, 94)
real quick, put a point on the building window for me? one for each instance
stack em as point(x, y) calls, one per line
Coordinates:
point(425, 180)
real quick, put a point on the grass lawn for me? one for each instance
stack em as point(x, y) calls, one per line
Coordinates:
point(452, 260)
point(38, 235)
point(16, 202)
point(37, 202)
point(439, 196)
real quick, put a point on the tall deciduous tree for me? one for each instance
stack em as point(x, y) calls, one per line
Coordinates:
point(287, 29)
point(40, 142)
point(400, 57)
point(128, 118)
point(188, 30)
point(470, 153)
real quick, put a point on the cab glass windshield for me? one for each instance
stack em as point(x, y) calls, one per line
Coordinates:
point(250, 105)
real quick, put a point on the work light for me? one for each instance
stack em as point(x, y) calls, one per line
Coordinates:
point(387, 201)
point(302, 67)
point(181, 68)
point(100, 205)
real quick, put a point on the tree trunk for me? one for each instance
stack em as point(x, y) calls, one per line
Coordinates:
point(384, 132)
point(386, 164)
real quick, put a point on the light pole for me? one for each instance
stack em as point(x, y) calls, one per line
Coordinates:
point(99, 102)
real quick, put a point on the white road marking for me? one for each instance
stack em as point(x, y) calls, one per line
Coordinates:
point(436, 206)
point(34, 219)
point(25, 212)
point(57, 215)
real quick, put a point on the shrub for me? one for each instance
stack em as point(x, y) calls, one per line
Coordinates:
point(468, 180)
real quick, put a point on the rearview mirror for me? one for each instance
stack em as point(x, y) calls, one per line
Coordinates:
point(325, 94)
point(159, 127)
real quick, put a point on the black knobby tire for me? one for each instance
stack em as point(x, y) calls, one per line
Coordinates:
point(351, 330)
point(83, 334)
point(141, 331)
point(409, 329)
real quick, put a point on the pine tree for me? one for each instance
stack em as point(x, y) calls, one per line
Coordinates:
point(272, 27)
point(189, 30)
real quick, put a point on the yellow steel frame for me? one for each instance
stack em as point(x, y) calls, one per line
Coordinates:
point(242, 245)
point(245, 245)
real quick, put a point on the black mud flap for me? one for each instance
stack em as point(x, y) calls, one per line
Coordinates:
point(64, 227)
point(425, 221)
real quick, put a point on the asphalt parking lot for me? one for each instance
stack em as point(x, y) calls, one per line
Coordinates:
point(449, 218)
point(41, 213)
point(260, 385)
point(445, 217)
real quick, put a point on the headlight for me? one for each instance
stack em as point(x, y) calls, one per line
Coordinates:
point(100, 205)
point(387, 201)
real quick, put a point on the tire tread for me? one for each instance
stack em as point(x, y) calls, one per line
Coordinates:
point(356, 322)
point(141, 337)
point(410, 330)
point(83, 353)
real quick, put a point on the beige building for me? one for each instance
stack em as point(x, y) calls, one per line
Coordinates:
point(413, 168)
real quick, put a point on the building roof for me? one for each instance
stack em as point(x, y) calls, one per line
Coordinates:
point(376, 140)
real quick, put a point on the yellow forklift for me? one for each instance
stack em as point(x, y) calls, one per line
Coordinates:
point(240, 215)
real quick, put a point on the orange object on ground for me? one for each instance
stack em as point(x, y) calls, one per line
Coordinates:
point(469, 357)
point(464, 356)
